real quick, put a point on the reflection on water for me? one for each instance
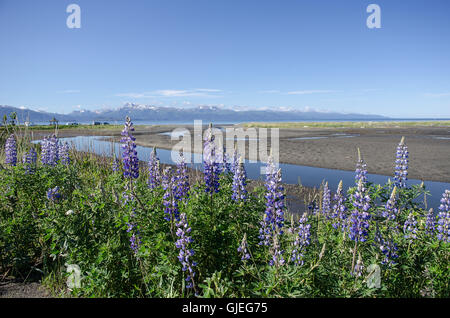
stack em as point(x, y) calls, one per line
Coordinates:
point(292, 174)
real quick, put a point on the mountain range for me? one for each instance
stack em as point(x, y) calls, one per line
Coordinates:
point(139, 112)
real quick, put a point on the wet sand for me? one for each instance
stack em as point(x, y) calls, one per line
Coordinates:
point(334, 148)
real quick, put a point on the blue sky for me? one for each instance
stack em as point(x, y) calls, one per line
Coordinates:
point(236, 53)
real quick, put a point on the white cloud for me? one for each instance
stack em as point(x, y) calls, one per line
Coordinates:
point(198, 92)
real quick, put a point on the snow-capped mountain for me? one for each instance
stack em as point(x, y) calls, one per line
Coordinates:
point(165, 113)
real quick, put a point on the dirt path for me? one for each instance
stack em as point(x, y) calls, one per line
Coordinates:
point(10, 288)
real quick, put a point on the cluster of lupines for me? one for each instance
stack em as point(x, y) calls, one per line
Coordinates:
point(211, 163)
point(129, 156)
point(64, 156)
point(273, 220)
point(183, 244)
point(401, 164)
point(243, 249)
point(302, 240)
point(339, 209)
point(53, 194)
point(154, 175)
point(29, 160)
point(359, 219)
point(50, 151)
point(11, 151)
point(443, 223)
point(410, 228)
point(239, 183)
point(326, 201)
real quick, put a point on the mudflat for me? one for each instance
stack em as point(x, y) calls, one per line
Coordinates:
point(327, 147)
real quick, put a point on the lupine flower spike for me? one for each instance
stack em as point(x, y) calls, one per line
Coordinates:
point(29, 160)
point(154, 175)
point(211, 163)
point(302, 240)
point(239, 183)
point(443, 223)
point(359, 219)
point(243, 248)
point(410, 228)
point(339, 209)
point(11, 151)
point(401, 164)
point(430, 223)
point(183, 244)
point(326, 201)
point(129, 155)
point(273, 221)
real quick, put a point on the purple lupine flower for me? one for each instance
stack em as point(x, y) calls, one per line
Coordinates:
point(359, 219)
point(186, 252)
point(443, 228)
point(239, 183)
point(339, 209)
point(410, 228)
point(115, 164)
point(169, 201)
point(273, 221)
point(211, 163)
point(389, 249)
point(430, 223)
point(154, 175)
point(401, 164)
point(11, 151)
point(45, 150)
point(29, 160)
point(326, 201)
point(390, 210)
point(227, 162)
point(64, 156)
point(53, 151)
point(302, 240)
point(234, 161)
point(135, 239)
point(182, 180)
point(129, 155)
point(53, 194)
point(243, 249)
point(313, 208)
point(361, 169)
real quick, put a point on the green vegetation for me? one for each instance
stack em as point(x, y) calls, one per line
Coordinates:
point(86, 221)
